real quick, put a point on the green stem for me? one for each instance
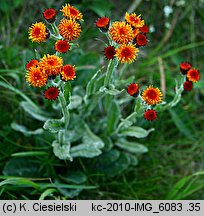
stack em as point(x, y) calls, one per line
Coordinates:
point(122, 71)
point(55, 29)
point(111, 66)
point(65, 110)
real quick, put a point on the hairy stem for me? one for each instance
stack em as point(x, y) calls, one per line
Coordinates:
point(65, 110)
point(109, 74)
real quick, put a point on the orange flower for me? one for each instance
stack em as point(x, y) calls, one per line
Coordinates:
point(69, 29)
point(141, 40)
point(62, 46)
point(144, 29)
point(32, 63)
point(51, 93)
point(52, 64)
point(133, 89)
point(152, 95)
point(36, 77)
point(71, 12)
point(184, 67)
point(127, 53)
point(150, 115)
point(134, 20)
point(103, 23)
point(188, 85)
point(121, 32)
point(68, 73)
point(136, 32)
point(38, 32)
point(50, 15)
point(193, 75)
point(109, 52)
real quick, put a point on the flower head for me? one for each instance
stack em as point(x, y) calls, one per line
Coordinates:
point(103, 23)
point(193, 75)
point(141, 40)
point(62, 46)
point(152, 95)
point(52, 64)
point(188, 85)
point(69, 29)
point(50, 15)
point(109, 52)
point(68, 73)
point(51, 93)
point(133, 89)
point(184, 67)
point(144, 29)
point(36, 77)
point(32, 63)
point(38, 32)
point(150, 115)
point(126, 53)
point(71, 12)
point(136, 32)
point(121, 32)
point(134, 20)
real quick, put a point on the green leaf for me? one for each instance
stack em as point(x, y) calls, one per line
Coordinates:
point(132, 147)
point(20, 182)
point(47, 192)
point(70, 193)
point(128, 121)
point(76, 177)
point(54, 125)
point(90, 147)
point(113, 117)
point(75, 102)
point(112, 91)
point(90, 89)
point(111, 164)
point(133, 159)
point(35, 112)
point(101, 8)
point(37, 55)
point(67, 92)
point(61, 151)
point(181, 125)
point(24, 130)
point(21, 167)
point(85, 150)
point(11, 88)
point(29, 154)
point(108, 143)
point(90, 138)
point(109, 157)
point(135, 131)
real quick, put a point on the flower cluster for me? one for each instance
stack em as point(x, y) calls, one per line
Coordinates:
point(150, 96)
point(191, 74)
point(125, 37)
point(43, 71)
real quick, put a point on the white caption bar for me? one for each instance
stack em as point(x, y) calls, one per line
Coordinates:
point(102, 207)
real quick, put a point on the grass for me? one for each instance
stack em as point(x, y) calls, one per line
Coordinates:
point(175, 147)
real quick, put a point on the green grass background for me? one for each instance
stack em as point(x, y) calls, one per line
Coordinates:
point(176, 147)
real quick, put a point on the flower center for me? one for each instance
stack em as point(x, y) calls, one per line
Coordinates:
point(122, 31)
point(73, 12)
point(70, 29)
point(152, 94)
point(126, 52)
point(37, 76)
point(36, 31)
point(134, 19)
point(51, 62)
